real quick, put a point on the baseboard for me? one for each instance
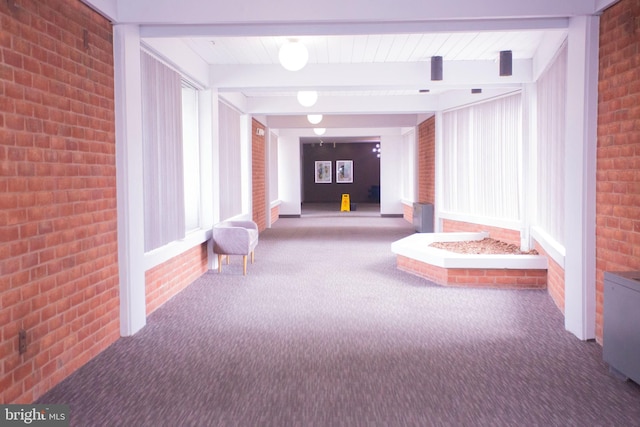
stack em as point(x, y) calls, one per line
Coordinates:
point(289, 216)
point(392, 216)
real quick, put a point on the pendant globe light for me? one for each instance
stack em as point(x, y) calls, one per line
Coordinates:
point(319, 131)
point(293, 55)
point(307, 98)
point(314, 119)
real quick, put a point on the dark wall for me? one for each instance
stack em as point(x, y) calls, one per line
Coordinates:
point(366, 172)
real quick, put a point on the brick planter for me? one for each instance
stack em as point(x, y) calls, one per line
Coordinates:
point(415, 256)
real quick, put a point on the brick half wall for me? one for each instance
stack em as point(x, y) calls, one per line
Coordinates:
point(169, 278)
point(407, 212)
point(275, 214)
point(475, 277)
point(555, 278)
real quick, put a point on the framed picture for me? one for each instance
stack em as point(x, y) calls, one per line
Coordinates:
point(344, 171)
point(323, 172)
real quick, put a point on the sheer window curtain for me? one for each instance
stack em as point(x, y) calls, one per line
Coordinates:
point(408, 161)
point(191, 153)
point(230, 162)
point(551, 106)
point(163, 174)
point(481, 152)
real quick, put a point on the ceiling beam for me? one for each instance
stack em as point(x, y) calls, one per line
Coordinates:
point(367, 77)
point(307, 12)
point(363, 105)
point(350, 28)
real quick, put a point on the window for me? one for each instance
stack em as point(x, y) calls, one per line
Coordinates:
point(551, 97)
point(231, 190)
point(191, 157)
point(481, 158)
point(163, 176)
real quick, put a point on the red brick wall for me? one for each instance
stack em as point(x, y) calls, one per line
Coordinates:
point(555, 278)
point(275, 214)
point(427, 161)
point(475, 277)
point(407, 213)
point(503, 234)
point(618, 158)
point(258, 175)
point(169, 278)
point(58, 242)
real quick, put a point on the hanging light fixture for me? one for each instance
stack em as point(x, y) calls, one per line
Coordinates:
point(376, 150)
point(293, 55)
point(314, 119)
point(506, 63)
point(436, 68)
point(319, 131)
point(307, 98)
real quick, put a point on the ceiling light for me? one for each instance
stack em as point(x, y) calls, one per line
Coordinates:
point(377, 150)
point(314, 119)
point(319, 131)
point(436, 68)
point(506, 63)
point(293, 55)
point(307, 98)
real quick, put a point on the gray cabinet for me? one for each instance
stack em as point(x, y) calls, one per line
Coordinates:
point(621, 334)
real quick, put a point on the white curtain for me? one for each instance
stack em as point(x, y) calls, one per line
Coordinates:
point(408, 161)
point(551, 106)
point(481, 159)
point(273, 167)
point(162, 165)
point(230, 162)
point(191, 153)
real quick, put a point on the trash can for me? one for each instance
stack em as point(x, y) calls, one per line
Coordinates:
point(621, 329)
point(423, 217)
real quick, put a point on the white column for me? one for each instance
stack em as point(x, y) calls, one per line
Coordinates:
point(212, 129)
point(128, 114)
point(267, 175)
point(580, 176)
point(439, 184)
point(246, 147)
point(208, 113)
point(390, 166)
point(289, 173)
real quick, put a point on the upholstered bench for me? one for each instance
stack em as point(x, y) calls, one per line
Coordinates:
point(235, 238)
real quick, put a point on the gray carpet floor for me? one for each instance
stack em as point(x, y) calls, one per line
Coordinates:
point(325, 331)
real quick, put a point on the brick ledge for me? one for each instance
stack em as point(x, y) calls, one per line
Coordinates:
point(415, 256)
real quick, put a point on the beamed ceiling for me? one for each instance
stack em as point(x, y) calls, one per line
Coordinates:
point(365, 58)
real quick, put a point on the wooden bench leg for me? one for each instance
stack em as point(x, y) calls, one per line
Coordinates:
point(252, 257)
point(244, 265)
point(220, 263)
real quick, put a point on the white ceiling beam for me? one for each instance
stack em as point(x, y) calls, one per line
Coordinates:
point(365, 77)
point(601, 5)
point(350, 28)
point(359, 105)
point(344, 121)
point(342, 105)
point(306, 11)
point(107, 8)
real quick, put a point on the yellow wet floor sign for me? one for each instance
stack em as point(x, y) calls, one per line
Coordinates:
point(346, 204)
